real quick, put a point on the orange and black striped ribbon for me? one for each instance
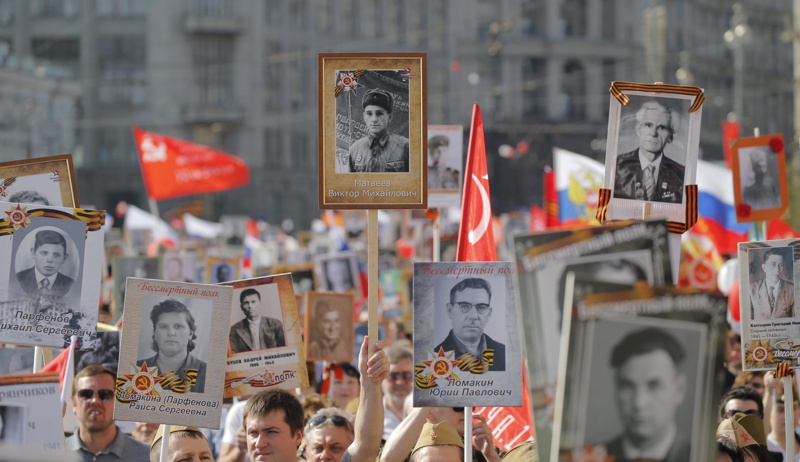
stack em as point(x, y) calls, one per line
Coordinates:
point(340, 88)
point(618, 90)
point(466, 362)
point(673, 226)
point(169, 381)
point(95, 219)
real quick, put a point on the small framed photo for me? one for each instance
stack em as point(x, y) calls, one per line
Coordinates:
point(172, 359)
point(768, 281)
point(372, 130)
point(138, 239)
point(338, 273)
point(131, 267)
point(760, 187)
point(234, 231)
point(329, 327)
point(653, 140)
point(179, 267)
point(302, 276)
point(220, 270)
point(48, 181)
point(274, 357)
point(472, 346)
point(50, 279)
point(445, 162)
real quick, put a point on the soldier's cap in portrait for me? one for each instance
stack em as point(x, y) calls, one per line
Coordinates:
point(376, 97)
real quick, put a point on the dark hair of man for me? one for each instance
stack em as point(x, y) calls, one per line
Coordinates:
point(396, 354)
point(349, 370)
point(744, 393)
point(269, 401)
point(470, 283)
point(90, 371)
point(647, 341)
point(778, 252)
point(248, 292)
point(47, 236)
point(155, 449)
point(171, 305)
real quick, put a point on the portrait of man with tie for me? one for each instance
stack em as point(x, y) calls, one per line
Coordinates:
point(49, 253)
point(646, 173)
point(772, 292)
point(256, 331)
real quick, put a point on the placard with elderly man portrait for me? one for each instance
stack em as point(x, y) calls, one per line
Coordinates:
point(470, 354)
point(653, 139)
point(760, 184)
point(171, 362)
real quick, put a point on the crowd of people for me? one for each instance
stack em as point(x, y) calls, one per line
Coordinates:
point(278, 425)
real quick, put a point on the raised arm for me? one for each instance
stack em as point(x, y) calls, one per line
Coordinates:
point(401, 443)
point(368, 432)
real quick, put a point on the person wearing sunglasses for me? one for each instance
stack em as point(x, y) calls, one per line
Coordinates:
point(174, 339)
point(328, 434)
point(744, 400)
point(469, 311)
point(98, 438)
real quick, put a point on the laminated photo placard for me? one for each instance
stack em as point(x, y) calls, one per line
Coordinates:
point(445, 161)
point(50, 275)
point(172, 359)
point(329, 327)
point(265, 348)
point(46, 181)
point(30, 411)
point(469, 355)
point(638, 377)
point(760, 183)
point(768, 282)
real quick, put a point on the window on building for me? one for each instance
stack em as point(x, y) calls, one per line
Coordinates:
point(211, 8)
point(573, 90)
point(273, 147)
point(122, 69)
point(122, 8)
point(323, 19)
point(302, 156)
point(534, 88)
point(6, 11)
point(212, 64)
point(115, 147)
point(55, 8)
point(273, 11)
point(532, 18)
point(298, 10)
point(64, 52)
point(573, 18)
point(273, 76)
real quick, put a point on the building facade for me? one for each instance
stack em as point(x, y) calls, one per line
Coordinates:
point(240, 75)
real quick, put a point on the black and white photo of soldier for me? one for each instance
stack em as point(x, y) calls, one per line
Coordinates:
point(338, 273)
point(653, 150)
point(760, 177)
point(373, 122)
point(442, 174)
point(179, 337)
point(771, 283)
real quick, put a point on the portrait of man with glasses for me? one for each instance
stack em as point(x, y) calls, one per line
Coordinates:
point(469, 310)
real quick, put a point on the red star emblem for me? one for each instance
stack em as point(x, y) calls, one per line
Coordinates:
point(143, 379)
point(56, 173)
point(745, 436)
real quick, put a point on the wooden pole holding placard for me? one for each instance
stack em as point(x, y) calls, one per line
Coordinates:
point(164, 442)
point(372, 278)
point(436, 237)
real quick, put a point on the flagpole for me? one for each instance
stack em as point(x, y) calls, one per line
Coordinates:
point(165, 442)
point(372, 277)
point(70, 366)
point(153, 207)
point(436, 236)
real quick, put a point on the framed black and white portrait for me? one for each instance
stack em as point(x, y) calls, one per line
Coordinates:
point(372, 123)
point(652, 149)
point(760, 183)
point(329, 327)
point(338, 273)
point(48, 181)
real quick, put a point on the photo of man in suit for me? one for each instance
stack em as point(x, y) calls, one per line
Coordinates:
point(256, 331)
point(49, 255)
point(645, 173)
point(773, 296)
point(469, 311)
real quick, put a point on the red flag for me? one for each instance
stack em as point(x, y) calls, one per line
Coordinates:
point(510, 425)
point(59, 364)
point(475, 235)
point(551, 198)
point(174, 168)
point(730, 131)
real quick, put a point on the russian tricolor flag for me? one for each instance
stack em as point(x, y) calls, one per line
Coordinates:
point(578, 182)
point(716, 208)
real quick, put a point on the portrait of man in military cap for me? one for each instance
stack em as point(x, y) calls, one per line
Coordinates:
point(379, 150)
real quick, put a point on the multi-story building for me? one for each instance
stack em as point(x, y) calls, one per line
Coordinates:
point(240, 75)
